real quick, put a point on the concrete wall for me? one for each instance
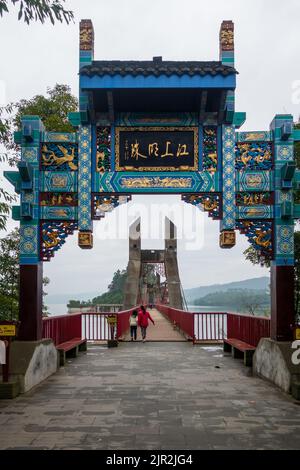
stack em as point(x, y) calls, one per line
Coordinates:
point(32, 362)
point(272, 361)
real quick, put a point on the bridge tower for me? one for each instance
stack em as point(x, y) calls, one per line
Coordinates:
point(156, 264)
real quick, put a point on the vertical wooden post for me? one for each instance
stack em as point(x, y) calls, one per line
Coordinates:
point(282, 270)
point(30, 298)
point(282, 302)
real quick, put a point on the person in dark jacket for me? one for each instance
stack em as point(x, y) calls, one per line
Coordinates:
point(143, 321)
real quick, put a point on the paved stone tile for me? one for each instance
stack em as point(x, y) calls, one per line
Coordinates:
point(151, 396)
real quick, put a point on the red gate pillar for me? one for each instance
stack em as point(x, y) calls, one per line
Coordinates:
point(30, 301)
point(282, 302)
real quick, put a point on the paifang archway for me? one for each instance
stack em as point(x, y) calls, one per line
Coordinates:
point(156, 127)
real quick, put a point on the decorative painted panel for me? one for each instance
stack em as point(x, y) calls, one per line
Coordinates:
point(103, 149)
point(59, 156)
point(253, 198)
point(228, 140)
point(30, 154)
point(285, 240)
point(210, 146)
point(259, 234)
point(59, 213)
point(58, 199)
point(254, 156)
point(210, 203)
point(29, 243)
point(284, 152)
point(84, 178)
point(157, 119)
point(64, 181)
point(254, 136)
point(60, 137)
point(254, 180)
point(53, 236)
point(175, 182)
point(254, 212)
point(106, 203)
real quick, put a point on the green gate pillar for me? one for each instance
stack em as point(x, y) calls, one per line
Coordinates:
point(27, 185)
point(282, 269)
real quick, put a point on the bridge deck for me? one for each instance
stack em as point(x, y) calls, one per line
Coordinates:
point(155, 396)
point(162, 330)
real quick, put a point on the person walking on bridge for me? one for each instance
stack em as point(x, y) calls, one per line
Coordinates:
point(133, 322)
point(143, 321)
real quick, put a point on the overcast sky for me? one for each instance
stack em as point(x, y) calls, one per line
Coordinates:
point(267, 57)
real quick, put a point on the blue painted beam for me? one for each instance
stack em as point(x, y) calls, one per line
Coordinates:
point(172, 81)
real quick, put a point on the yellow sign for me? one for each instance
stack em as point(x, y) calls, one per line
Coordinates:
point(297, 333)
point(112, 320)
point(7, 330)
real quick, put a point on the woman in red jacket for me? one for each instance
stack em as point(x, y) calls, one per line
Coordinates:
point(143, 322)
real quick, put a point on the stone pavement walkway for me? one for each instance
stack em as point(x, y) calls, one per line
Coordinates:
point(162, 330)
point(151, 396)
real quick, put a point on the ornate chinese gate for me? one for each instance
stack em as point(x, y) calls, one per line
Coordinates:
point(156, 127)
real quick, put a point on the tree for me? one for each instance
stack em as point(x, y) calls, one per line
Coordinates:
point(52, 109)
point(9, 277)
point(245, 300)
point(114, 295)
point(38, 10)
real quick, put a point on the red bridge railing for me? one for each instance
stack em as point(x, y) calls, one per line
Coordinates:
point(215, 326)
point(201, 327)
point(249, 329)
point(184, 320)
point(90, 325)
point(62, 328)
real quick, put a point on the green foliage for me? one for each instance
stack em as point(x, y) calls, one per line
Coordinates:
point(114, 295)
point(115, 290)
point(246, 300)
point(252, 255)
point(38, 10)
point(79, 303)
point(109, 298)
point(9, 277)
point(52, 109)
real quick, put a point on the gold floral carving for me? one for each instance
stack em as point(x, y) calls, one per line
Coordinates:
point(227, 38)
point(86, 38)
point(156, 182)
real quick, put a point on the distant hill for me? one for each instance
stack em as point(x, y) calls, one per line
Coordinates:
point(257, 283)
point(64, 298)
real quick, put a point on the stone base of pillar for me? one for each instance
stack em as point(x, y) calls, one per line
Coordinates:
point(9, 389)
point(31, 362)
point(273, 361)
